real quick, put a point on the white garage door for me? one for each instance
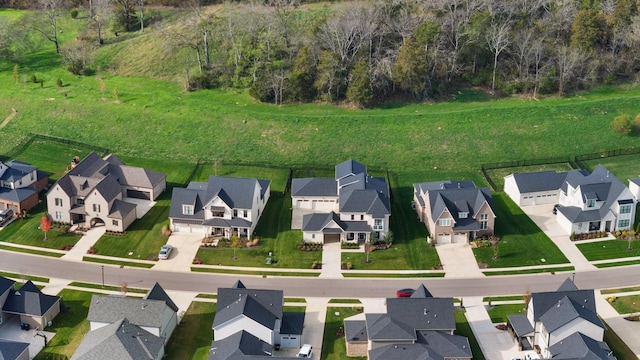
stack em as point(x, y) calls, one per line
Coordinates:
point(460, 238)
point(444, 238)
point(303, 204)
point(186, 228)
point(527, 200)
point(290, 341)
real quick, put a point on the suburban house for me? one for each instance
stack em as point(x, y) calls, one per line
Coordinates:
point(554, 318)
point(28, 303)
point(587, 202)
point(454, 211)
point(13, 350)
point(20, 184)
point(418, 327)
point(155, 313)
point(250, 324)
point(352, 206)
point(220, 207)
point(120, 340)
point(95, 192)
point(634, 187)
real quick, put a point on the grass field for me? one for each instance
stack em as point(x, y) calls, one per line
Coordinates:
point(609, 249)
point(191, 340)
point(497, 175)
point(498, 313)
point(627, 304)
point(333, 346)
point(70, 325)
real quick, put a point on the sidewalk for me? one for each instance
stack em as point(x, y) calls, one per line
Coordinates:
point(495, 344)
point(83, 245)
point(628, 331)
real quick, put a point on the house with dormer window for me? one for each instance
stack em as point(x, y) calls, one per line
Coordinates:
point(20, 184)
point(220, 207)
point(454, 211)
point(586, 202)
point(352, 206)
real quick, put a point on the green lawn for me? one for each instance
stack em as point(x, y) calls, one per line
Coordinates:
point(529, 271)
point(70, 325)
point(619, 290)
point(522, 242)
point(627, 304)
point(51, 157)
point(624, 167)
point(619, 348)
point(464, 329)
point(498, 313)
point(191, 340)
point(609, 249)
point(334, 347)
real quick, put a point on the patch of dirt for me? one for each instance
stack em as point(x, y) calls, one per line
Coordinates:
point(482, 265)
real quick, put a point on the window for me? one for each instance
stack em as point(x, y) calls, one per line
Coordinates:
point(444, 222)
point(579, 225)
point(591, 203)
point(351, 236)
point(623, 223)
point(58, 215)
point(463, 215)
point(362, 236)
point(245, 213)
point(187, 209)
point(377, 224)
point(114, 222)
point(20, 182)
point(361, 216)
point(58, 202)
point(235, 212)
point(313, 236)
point(31, 176)
point(353, 217)
point(80, 201)
point(483, 225)
point(484, 216)
point(96, 207)
point(625, 209)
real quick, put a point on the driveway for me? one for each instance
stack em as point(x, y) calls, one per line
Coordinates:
point(142, 206)
point(185, 248)
point(458, 261)
point(543, 216)
point(11, 331)
point(296, 217)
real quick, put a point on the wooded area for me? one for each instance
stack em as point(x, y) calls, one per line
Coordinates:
point(371, 51)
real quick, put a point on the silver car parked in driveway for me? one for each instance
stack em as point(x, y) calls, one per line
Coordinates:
point(165, 251)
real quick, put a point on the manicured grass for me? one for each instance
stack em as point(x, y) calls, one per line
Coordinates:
point(117, 262)
point(502, 298)
point(624, 167)
point(297, 300)
point(30, 251)
point(522, 242)
point(378, 275)
point(464, 329)
point(619, 290)
point(70, 325)
point(497, 175)
point(334, 347)
point(498, 313)
point(191, 340)
point(21, 277)
point(248, 272)
point(107, 287)
point(609, 249)
point(627, 304)
point(294, 308)
point(614, 264)
point(207, 296)
point(51, 157)
point(26, 232)
point(345, 301)
point(619, 348)
point(531, 271)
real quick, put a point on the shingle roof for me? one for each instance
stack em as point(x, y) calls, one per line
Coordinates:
point(384, 327)
point(121, 209)
point(141, 312)
point(520, 324)
point(421, 292)
point(566, 310)
point(158, 293)
point(292, 323)
point(423, 313)
point(314, 187)
point(580, 346)
point(318, 221)
point(29, 300)
point(543, 301)
point(456, 197)
point(182, 196)
point(16, 195)
point(567, 285)
point(430, 345)
point(11, 350)
point(121, 340)
point(242, 346)
point(543, 180)
point(5, 284)
point(136, 176)
point(349, 167)
point(356, 330)
point(263, 306)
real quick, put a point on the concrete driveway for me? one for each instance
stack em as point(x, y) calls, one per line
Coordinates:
point(458, 261)
point(11, 331)
point(544, 217)
point(296, 217)
point(185, 248)
point(142, 206)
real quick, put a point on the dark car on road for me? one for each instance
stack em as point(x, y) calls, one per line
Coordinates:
point(404, 292)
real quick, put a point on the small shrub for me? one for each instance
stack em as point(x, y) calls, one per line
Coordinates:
point(59, 83)
point(197, 261)
point(92, 250)
point(621, 124)
point(34, 79)
point(74, 13)
point(636, 124)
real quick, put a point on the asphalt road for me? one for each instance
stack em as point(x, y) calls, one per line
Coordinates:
point(311, 287)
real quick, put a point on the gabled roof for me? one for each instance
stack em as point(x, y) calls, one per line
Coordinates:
point(158, 293)
point(543, 301)
point(423, 313)
point(263, 306)
point(135, 176)
point(369, 201)
point(384, 327)
point(238, 285)
point(141, 312)
point(421, 292)
point(5, 285)
point(456, 197)
point(29, 301)
point(566, 310)
point(242, 346)
point(121, 340)
point(182, 196)
point(314, 187)
point(580, 346)
point(318, 221)
point(355, 328)
point(121, 209)
point(16, 170)
point(568, 285)
point(544, 180)
point(349, 167)
point(292, 323)
point(431, 345)
point(520, 324)
point(11, 350)
point(16, 195)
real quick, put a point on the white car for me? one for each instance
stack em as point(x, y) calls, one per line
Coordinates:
point(165, 251)
point(306, 351)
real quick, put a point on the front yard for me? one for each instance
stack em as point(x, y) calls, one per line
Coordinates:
point(609, 249)
point(191, 340)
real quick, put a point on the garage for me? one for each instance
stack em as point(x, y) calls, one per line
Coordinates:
point(137, 194)
point(188, 228)
point(444, 238)
point(460, 238)
point(526, 201)
point(290, 341)
point(331, 238)
point(303, 204)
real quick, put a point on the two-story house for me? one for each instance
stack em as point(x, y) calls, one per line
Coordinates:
point(220, 207)
point(553, 317)
point(20, 184)
point(352, 206)
point(454, 211)
point(418, 327)
point(251, 322)
point(95, 192)
point(586, 202)
point(28, 303)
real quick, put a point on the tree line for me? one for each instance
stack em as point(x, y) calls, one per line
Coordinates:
point(375, 50)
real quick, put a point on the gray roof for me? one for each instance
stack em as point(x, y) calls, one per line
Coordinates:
point(158, 293)
point(136, 176)
point(580, 346)
point(349, 167)
point(423, 313)
point(141, 312)
point(520, 324)
point(16, 195)
point(635, 180)
point(568, 285)
point(237, 193)
point(543, 301)
point(242, 346)
point(421, 292)
point(566, 310)
point(121, 340)
point(316, 222)
point(543, 180)
point(355, 330)
point(383, 327)
point(16, 170)
point(5, 284)
point(456, 197)
point(292, 323)
point(430, 345)
point(263, 306)
point(314, 187)
point(120, 209)
point(29, 301)
point(11, 350)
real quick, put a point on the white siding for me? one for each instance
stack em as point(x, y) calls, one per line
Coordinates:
point(586, 327)
point(57, 192)
point(511, 189)
point(243, 323)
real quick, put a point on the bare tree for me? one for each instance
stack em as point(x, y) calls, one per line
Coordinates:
point(141, 9)
point(47, 22)
point(568, 60)
point(99, 17)
point(497, 37)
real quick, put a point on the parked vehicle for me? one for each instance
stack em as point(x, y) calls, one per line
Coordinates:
point(404, 292)
point(306, 351)
point(165, 251)
point(5, 216)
